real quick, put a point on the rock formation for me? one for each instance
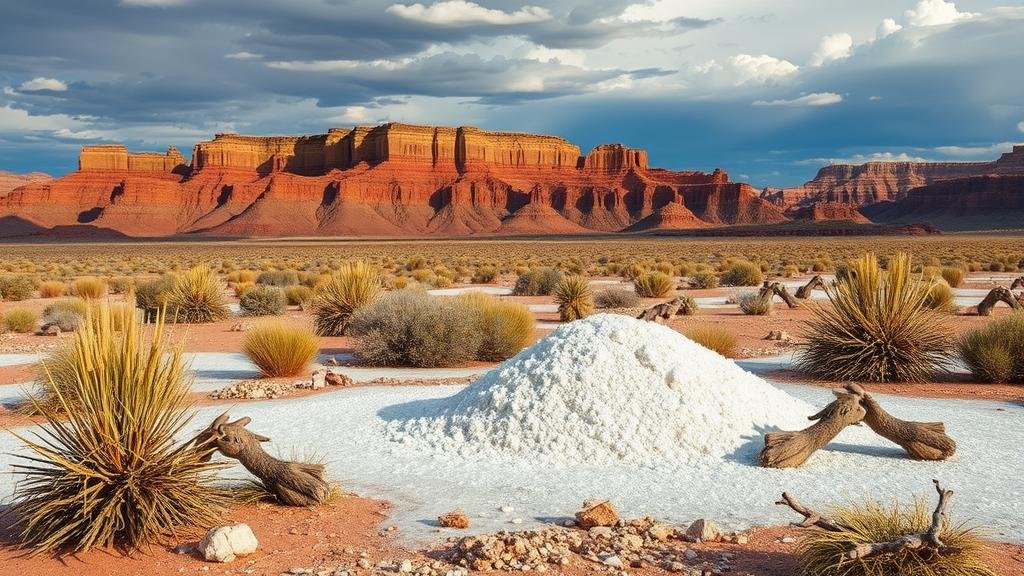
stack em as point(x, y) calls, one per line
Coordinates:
point(388, 180)
point(10, 180)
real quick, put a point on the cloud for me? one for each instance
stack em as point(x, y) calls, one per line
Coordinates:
point(243, 55)
point(815, 99)
point(464, 13)
point(863, 159)
point(935, 13)
point(564, 56)
point(747, 68)
point(832, 47)
point(18, 120)
point(887, 28)
point(39, 83)
point(990, 151)
point(1020, 126)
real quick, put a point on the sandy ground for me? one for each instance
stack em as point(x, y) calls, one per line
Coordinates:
point(339, 535)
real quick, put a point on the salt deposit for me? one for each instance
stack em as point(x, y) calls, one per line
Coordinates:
point(607, 389)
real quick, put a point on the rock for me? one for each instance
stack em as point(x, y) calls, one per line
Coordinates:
point(319, 379)
point(612, 560)
point(240, 327)
point(254, 390)
point(742, 539)
point(788, 539)
point(405, 567)
point(454, 519)
point(690, 555)
point(338, 379)
point(704, 531)
point(780, 335)
point(597, 513)
point(661, 532)
point(51, 330)
point(224, 543)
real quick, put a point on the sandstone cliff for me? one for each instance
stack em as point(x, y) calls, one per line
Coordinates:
point(10, 180)
point(389, 180)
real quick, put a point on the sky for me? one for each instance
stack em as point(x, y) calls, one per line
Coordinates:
point(768, 90)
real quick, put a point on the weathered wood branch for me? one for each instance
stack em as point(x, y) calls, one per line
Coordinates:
point(791, 449)
point(927, 540)
point(811, 518)
point(678, 306)
point(777, 289)
point(998, 294)
point(921, 440)
point(1018, 283)
point(804, 292)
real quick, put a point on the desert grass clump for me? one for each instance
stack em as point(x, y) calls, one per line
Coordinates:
point(616, 298)
point(112, 472)
point(704, 280)
point(355, 285)
point(197, 297)
point(505, 327)
point(52, 289)
point(66, 313)
point(954, 276)
point(263, 300)
point(484, 275)
point(20, 320)
point(537, 282)
point(151, 295)
point(16, 287)
point(995, 353)
point(821, 552)
point(412, 328)
point(742, 273)
point(298, 295)
point(279, 278)
point(120, 284)
point(89, 287)
point(714, 338)
point(574, 298)
point(756, 304)
point(878, 328)
point(940, 296)
point(280, 349)
point(654, 285)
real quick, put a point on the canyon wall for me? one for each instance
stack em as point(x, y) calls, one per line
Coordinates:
point(116, 158)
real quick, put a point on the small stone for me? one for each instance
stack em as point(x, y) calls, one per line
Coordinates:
point(455, 519)
point(337, 379)
point(224, 543)
point(661, 532)
point(51, 330)
point(704, 530)
point(742, 539)
point(788, 540)
point(363, 563)
point(690, 555)
point(516, 520)
point(612, 560)
point(507, 509)
point(597, 513)
point(405, 567)
point(600, 532)
point(318, 380)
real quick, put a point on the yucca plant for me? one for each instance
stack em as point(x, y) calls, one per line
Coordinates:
point(279, 349)
point(714, 338)
point(878, 327)
point(197, 297)
point(654, 285)
point(505, 327)
point(821, 552)
point(355, 285)
point(111, 472)
point(574, 298)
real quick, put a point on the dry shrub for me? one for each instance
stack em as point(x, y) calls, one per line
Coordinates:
point(263, 300)
point(821, 551)
point(754, 304)
point(355, 285)
point(877, 329)
point(940, 296)
point(197, 297)
point(537, 282)
point(66, 313)
point(714, 338)
point(111, 473)
point(484, 275)
point(616, 298)
point(505, 327)
point(411, 328)
point(20, 320)
point(953, 276)
point(298, 295)
point(16, 287)
point(704, 280)
point(654, 285)
point(120, 284)
point(995, 353)
point(52, 289)
point(151, 296)
point(742, 273)
point(279, 349)
point(574, 298)
point(89, 287)
point(279, 278)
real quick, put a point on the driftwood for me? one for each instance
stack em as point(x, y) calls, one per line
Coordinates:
point(921, 440)
point(294, 483)
point(923, 543)
point(998, 294)
point(804, 292)
point(678, 306)
point(1018, 283)
point(791, 449)
point(770, 289)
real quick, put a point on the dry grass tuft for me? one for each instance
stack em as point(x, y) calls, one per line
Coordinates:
point(995, 353)
point(505, 327)
point(197, 297)
point(714, 338)
point(354, 286)
point(878, 328)
point(654, 285)
point(279, 349)
point(574, 298)
point(89, 288)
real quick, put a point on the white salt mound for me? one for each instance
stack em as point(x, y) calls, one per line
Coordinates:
point(609, 389)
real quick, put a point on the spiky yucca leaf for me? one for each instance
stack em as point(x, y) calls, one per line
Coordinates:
point(878, 327)
point(110, 473)
point(279, 349)
point(355, 285)
point(821, 552)
point(197, 297)
point(574, 298)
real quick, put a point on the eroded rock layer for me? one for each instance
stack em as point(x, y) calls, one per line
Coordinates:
point(389, 180)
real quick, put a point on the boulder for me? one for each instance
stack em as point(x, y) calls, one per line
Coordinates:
point(704, 531)
point(225, 543)
point(597, 513)
point(454, 519)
